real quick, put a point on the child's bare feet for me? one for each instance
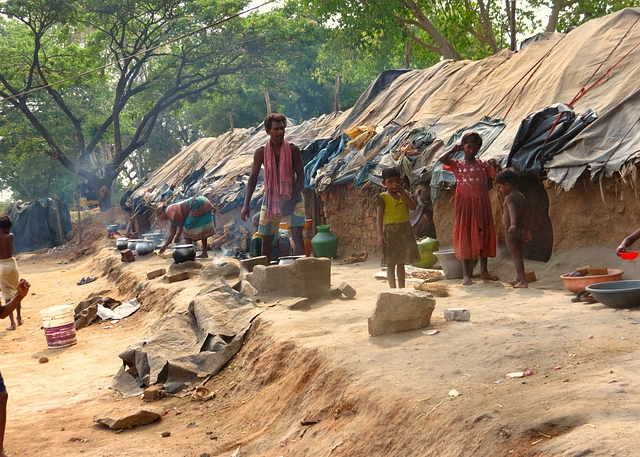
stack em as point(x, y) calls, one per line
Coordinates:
point(204, 255)
point(513, 282)
point(467, 281)
point(520, 286)
point(489, 276)
point(19, 323)
point(11, 327)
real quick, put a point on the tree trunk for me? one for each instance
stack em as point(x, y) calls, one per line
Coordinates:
point(446, 49)
point(558, 6)
point(489, 37)
point(407, 54)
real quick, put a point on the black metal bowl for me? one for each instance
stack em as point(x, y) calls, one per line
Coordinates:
point(617, 294)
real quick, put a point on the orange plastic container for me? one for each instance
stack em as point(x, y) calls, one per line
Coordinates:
point(577, 284)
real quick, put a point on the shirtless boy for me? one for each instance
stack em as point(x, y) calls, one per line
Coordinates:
point(516, 222)
point(22, 289)
point(283, 182)
point(9, 274)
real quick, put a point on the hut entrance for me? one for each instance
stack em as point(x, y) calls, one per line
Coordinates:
point(539, 222)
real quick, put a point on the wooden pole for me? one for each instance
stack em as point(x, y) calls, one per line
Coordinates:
point(230, 120)
point(407, 54)
point(267, 100)
point(512, 24)
point(336, 96)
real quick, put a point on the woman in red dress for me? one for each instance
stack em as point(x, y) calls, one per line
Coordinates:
point(473, 233)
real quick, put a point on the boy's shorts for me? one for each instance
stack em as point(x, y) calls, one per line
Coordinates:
point(9, 278)
point(270, 227)
point(3, 388)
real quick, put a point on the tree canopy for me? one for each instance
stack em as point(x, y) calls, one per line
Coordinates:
point(149, 61)
point(107, 89)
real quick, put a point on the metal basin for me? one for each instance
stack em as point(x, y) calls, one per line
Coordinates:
point(617, 294)
point(451, 266)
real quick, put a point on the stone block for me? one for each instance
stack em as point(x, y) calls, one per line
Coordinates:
point(308, 277)
point(457, 314)
point(246, 265)
point(398, 310)
point(335, 293)
point(347, 290)
point(127, 255)
point(156, 273)
point(179, 277)
point(530, 275)
point(153, 393)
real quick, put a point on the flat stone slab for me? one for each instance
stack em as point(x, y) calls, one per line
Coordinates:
point(178, 277)
point(297, 304)
point(457, 314)
point(399, 310)
point(156, 273)
point(117, 419)
point(228, 269)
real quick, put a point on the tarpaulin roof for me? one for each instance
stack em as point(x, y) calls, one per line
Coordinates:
point(448, 98)
point(39, 224)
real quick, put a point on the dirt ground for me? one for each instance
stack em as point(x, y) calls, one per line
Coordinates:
point(356, 395)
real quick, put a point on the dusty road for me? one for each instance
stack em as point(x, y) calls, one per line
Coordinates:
point(383, 396)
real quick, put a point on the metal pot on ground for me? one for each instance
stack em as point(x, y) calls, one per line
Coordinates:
point(144, 247)
point(121, 243)
point(156, 237)
point(183, 252)
point(131, 244)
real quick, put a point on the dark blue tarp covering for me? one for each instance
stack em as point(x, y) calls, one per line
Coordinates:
point(39, 224)
point(333, 148)
point(544, 134)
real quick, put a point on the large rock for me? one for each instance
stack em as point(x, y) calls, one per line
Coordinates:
point(308, 277)
point(247, 265)
point(227, 269)
point(398, 310)
point(189, 265)
point(117, 419)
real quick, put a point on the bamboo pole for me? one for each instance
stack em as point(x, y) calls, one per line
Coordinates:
point(336, 97)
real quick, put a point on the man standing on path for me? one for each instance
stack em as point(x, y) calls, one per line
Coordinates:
point(9, 274)
point(283, 181)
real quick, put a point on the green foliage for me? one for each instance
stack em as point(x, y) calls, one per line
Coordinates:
point(142, 73)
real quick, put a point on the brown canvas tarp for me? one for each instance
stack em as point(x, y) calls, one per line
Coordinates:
point(453, 95)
